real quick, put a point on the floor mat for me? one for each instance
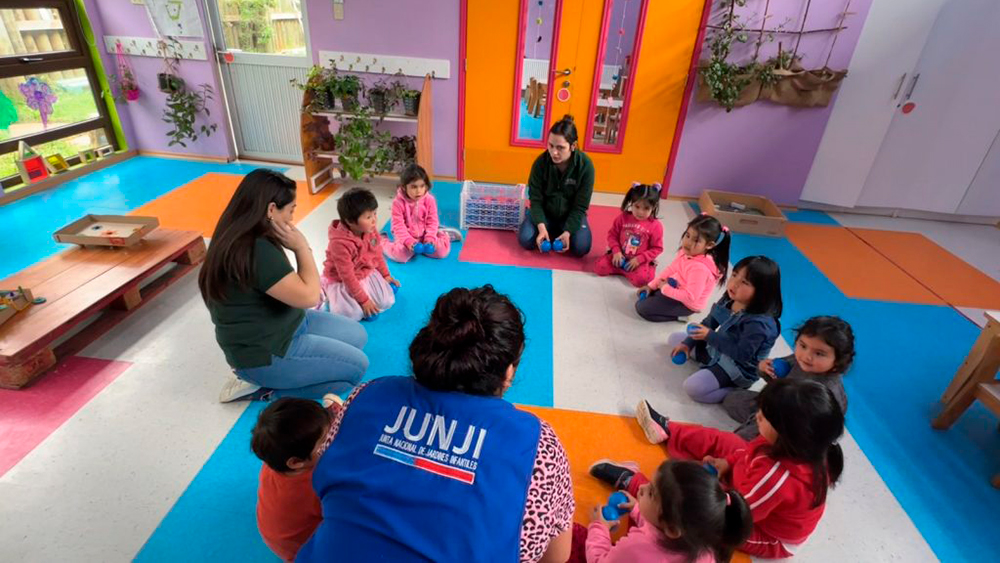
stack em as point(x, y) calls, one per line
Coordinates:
point(115, 190)
point(943, 273)
point(940, 478)
point(857, 269)
point(490, 246)
point(197, 205)
point(28, 416)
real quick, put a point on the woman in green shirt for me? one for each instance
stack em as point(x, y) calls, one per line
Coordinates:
point(262, 308)
point(559, 187)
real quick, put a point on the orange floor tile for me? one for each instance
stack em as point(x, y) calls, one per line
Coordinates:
point(197, 205)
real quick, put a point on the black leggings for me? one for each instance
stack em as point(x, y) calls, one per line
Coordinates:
point(660, 309)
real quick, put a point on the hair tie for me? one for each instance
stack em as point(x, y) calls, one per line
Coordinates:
point(722, 236)
point(704, 213)
point(729, 499)
point(634, 184)
point(725, 229)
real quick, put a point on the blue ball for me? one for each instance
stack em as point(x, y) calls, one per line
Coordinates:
point(395, 288)
point(671, 282)
point(680, 358)
point(546, 246)
point(781, 367)
point(643, 295)
point(711, 469)
point(611, 511)
point(692, 327)
point(428, 248)
point(418, 248)
point(557, 246)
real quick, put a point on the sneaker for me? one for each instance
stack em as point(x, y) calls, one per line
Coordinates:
point(454, 234)
point(653, 424)
point(331, 399)
point(236, 389)
point(615, 473)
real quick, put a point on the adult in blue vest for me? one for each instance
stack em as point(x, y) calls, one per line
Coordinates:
point(438, 466)
point(560, 187)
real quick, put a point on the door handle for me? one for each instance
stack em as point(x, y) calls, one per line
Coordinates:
point(31, 59)
point(564, 72)
point(913, 86)
point(899, 87)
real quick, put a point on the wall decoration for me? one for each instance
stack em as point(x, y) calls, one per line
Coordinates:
point(8, 113)
point(39, 97)
point(153, 47)
point(175, 17)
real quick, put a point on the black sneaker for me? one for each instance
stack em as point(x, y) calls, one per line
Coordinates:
point(614, 473)
point(653, 424)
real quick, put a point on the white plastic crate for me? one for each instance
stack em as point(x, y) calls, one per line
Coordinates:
point(492, 206)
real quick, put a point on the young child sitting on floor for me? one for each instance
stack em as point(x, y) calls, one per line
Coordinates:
point(784, 474)
point(287, 438)
point(737, 334)
point(684, 515)
point(415, 220)
point(686, 284)
point(356, 280)
point(635, 239)
point(824, 350)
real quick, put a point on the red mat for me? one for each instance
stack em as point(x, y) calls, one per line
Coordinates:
point(488, 246)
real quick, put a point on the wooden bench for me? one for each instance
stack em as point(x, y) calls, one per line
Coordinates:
point(79, 283)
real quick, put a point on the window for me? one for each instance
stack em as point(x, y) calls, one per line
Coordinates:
point(49, 94)
point(263, 26)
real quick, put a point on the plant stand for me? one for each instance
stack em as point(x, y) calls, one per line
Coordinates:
point(322, 163)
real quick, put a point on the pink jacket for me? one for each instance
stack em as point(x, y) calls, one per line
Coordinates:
point(413, 221)
point(350, 259)
point(696, 276)
point(635, 238)
point(640, 545)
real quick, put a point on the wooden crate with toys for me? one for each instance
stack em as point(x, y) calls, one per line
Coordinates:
point(743, 213)
point(13, 301)
point(107, 230)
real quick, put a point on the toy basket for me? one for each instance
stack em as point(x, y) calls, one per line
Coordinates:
point(492, 206)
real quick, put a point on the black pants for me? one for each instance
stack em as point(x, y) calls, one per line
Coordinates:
point(579, 242)
point(659, 308)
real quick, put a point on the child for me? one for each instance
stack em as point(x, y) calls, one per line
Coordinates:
point(287, 438)
point(415, 219)
point(356, 281)
point(737, 334)
point(686, 284)
point(635, 238)
point(784, 474)
point(684, 515)
point(824, 350)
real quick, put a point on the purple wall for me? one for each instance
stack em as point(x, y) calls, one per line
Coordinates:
point(142, 119)
point(764, 148)
point(429, 29)
point(533, 48)
point(630, 9)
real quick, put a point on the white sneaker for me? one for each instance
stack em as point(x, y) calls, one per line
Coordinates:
point(235, 389)
point(454, 234)
point(331, 399)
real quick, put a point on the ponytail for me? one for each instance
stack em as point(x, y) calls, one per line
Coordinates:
point(720, 254)
point(738, 526)
point(835, 463)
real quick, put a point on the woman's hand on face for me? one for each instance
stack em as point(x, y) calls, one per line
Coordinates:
point(700, 332)
point(565, 242)
point(289, 236)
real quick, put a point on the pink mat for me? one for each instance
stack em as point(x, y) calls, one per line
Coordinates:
point(29, 415)
point(488, 246)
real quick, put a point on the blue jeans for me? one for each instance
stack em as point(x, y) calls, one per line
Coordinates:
point(324, 357)
point(579, 242)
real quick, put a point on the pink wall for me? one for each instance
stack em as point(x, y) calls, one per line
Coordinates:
point(428, 29)
point(142, 119)
point(764, 148)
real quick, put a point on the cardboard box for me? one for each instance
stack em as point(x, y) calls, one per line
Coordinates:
point(107, 230)
point(752, 214)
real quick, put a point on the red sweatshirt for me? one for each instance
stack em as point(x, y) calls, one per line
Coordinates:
point(779, 493)
point(350, 259)
point(635, 238)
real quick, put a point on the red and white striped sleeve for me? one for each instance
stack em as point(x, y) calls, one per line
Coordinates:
point(763, 485)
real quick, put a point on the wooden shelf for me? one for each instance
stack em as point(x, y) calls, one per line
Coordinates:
point(399, 117)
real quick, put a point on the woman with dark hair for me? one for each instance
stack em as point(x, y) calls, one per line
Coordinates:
point(438, 466)
point(559, 187)
point(262, 307)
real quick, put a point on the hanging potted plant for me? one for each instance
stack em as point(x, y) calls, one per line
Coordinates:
point(182, 111)
point(347, 88)
point(378, 97)
point(126, 87)
point(168, 81)
point(411, 102)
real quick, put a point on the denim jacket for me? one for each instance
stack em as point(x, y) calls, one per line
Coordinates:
point(737, 342)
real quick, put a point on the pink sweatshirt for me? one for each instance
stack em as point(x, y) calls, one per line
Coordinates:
point(635, 238)
point(640, 545)
point(412, 221)
point(696, 276)
point(350, 259)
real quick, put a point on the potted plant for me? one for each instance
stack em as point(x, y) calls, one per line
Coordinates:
point(347, 88)
point(182, 111)
point(315, 84)
point(168, 81)
point(411, 102)
point(404, 150)
point(361, 150)
point(125, 88)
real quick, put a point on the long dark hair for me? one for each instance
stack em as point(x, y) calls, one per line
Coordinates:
point(765, 277)
point(837, 334)
point(473, 336)
point(711, 230)
point(230, 261)
point(649, 193)
point(808, 420)
point(693, 502)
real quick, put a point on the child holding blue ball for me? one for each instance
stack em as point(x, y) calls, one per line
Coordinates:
point(824, 351)
point(635, 239)
point(415, 223)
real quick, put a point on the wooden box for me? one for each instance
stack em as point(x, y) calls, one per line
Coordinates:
point(13, 301)
point(107, 230)
point(742, 213)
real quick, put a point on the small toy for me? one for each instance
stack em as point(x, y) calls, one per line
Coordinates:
point(395, 288)
point(423, 248)
point(370, 317)
point(546, 246)
point(781, 368)
point(711, 469)
point(611, 511)
point(643, 295)
point(38, 300)
point(693, 328)
point(557, 246)
point(671, 282)
point(680, 358)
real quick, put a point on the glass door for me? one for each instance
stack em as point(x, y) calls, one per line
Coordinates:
point(263, 44)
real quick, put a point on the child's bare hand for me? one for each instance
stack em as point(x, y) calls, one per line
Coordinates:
point(369, 308)
point(699, 332)
point(616, 259)
point(681, 348)
point(766, 367)
point(393, 281)
point(647, 289)
point(630, 504)
point(632, 264)
point(598, 516)
point(720, 465)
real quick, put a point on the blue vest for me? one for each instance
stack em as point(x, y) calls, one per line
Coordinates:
point(421, 475)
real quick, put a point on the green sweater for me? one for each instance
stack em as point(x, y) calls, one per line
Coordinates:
point(560, 200)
